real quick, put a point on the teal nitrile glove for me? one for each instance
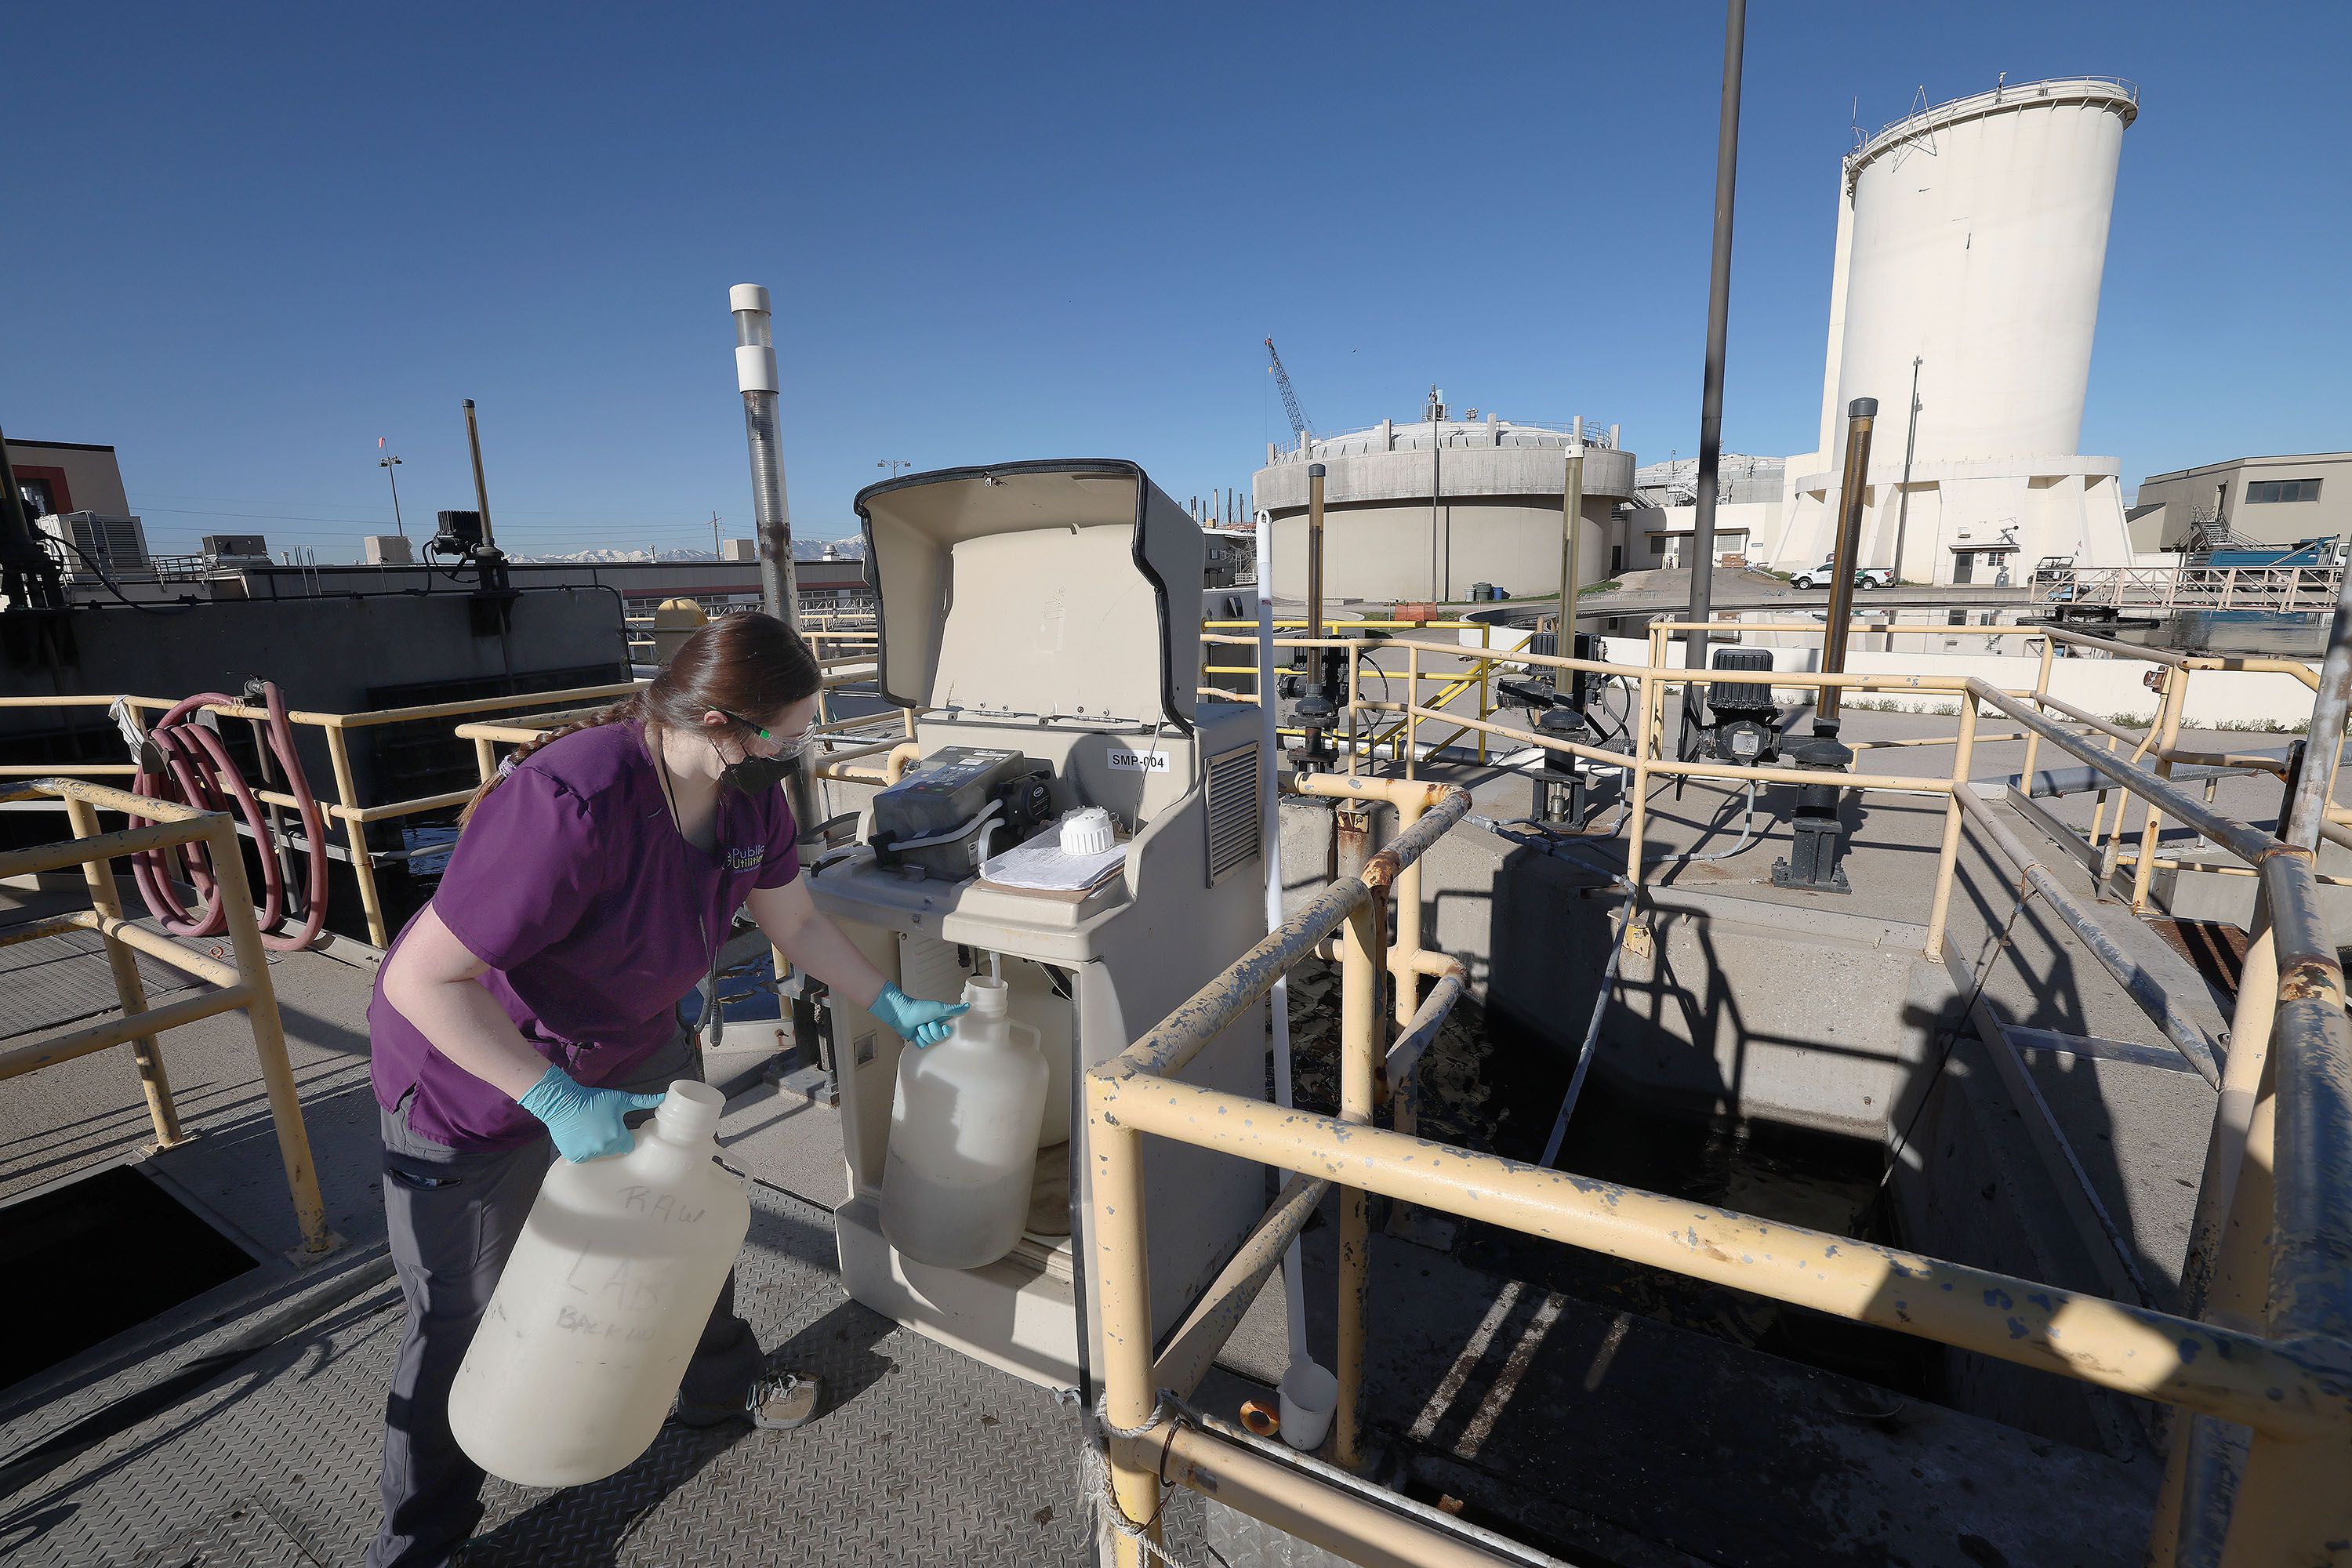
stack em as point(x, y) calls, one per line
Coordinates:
point(585, 1122)
point(916, 1022)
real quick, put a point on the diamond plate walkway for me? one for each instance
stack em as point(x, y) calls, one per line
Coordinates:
point(920, 1457)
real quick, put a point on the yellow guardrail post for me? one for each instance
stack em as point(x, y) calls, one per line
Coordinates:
point(2041, 689)
point(1412, 709)
point(269, 1045)
point(1359, 1054)
point(2168, 721)
point(339, 751)
point(1123, 1297)
point(1638, 780)
point(1947, 855)
point(145, 1049)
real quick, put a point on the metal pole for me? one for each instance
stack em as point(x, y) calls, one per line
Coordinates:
point(1860, 417)
point(780, 591)
point(1315, 560)
point(1269, 770)
point(1436, 456)
point(755, 377)
point(481, 491)
point(1718, 317)
point(1903, 497)
point(390, 467)
point(1572, 504)
point(1360, 1057)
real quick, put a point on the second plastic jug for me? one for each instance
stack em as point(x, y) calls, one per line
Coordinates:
point(963, 1137)
point(587, 1336)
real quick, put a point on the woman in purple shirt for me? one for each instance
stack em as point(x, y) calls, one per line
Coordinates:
point(533, 1004)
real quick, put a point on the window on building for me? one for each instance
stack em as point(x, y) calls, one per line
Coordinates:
point(1657, 544)
point(2263, 491)
point(37, 500)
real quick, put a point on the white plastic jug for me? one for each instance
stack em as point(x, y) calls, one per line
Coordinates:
point(586, 1338)
point(963, 1137)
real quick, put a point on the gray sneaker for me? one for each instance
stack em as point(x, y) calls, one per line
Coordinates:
point(777, 1403)
point(786, 1400)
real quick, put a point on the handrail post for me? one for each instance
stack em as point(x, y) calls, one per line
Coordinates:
point(1486, 676)
point(339, 751)
point(1412, 709)
point(2041, 688)
point(270, 1045)
point(146, 1051)
point(1948, 857)
point(1360, 1055)
point(1355, 695)
point(486, 758)
point(1123, 1296)
point(2176, 697)
point(1639, 782)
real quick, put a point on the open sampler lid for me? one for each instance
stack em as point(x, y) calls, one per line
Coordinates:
point(1067, 589)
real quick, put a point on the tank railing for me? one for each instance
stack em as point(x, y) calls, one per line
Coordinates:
point(2284, 1374)
point(347, 808)
point(243, 984)
point(2102, 846)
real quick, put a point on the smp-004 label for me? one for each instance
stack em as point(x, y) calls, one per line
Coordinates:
point(1140, 762)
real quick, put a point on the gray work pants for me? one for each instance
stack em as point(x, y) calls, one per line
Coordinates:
point(454, 1216)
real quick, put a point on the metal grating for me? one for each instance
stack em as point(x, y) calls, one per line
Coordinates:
point(1233, 801)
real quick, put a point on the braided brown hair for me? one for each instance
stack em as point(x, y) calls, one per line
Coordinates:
point(747, 663)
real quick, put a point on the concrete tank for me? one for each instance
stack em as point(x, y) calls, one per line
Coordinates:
point(1972, 239)
point(1495, 518)
point(1979, 232)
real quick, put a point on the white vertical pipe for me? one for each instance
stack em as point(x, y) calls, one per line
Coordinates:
point(1269, 832)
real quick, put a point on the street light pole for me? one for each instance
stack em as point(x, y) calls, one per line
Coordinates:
point(893, 465)
point(388, 463)
point(1903, 495)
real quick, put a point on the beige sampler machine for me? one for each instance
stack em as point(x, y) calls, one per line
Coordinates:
point(1046, 619)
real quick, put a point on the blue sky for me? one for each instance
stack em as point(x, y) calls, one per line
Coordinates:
point(245, 241)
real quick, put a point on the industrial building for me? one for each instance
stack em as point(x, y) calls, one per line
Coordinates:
point(1748, 513)
point(1429, 510)
point(1971, 238)
point(2269, 500)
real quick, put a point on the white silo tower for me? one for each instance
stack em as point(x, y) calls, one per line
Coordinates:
point(1971, 238)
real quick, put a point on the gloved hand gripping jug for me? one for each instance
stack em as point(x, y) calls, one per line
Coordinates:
point(587, 1337)
point(963, 1137)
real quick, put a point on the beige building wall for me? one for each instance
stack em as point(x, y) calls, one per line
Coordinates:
point(72, 476)
point(2191, 495)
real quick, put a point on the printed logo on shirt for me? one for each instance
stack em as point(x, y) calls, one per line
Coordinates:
point(745, 857)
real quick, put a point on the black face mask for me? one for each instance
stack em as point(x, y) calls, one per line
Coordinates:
point(757, 775)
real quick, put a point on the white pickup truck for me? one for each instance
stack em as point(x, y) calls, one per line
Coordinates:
point(1823, 575)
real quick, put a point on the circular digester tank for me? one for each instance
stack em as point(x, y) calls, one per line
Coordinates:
point(1978, 236)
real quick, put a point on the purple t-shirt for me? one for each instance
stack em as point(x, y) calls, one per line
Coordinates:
point(575, 886)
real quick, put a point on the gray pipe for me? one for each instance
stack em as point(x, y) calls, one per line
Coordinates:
point(755, 376)
point(1718, 319)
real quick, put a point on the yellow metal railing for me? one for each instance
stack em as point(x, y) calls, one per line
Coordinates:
point(2277, 1361)
point(246, 983)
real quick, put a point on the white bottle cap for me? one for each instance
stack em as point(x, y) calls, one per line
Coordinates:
point(689, 1112)
point(987, 998)
point(1086, 832)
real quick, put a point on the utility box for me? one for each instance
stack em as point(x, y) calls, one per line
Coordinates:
point(386, 550)
point(237, 549)
point(1046, 615)
point(739, 549)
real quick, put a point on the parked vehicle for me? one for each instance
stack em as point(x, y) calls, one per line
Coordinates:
point(1823, 575)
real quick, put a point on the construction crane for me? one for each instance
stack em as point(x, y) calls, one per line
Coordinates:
point(1290, 397)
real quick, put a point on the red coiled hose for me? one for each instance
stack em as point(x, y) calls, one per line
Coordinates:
point(196, 770)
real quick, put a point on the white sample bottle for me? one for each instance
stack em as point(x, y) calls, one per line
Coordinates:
point(963, 1137)
point(585, 1340)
